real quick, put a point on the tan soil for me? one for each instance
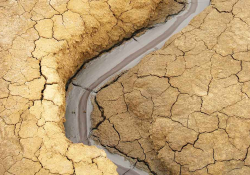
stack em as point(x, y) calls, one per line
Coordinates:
point(184, 109)
point(42, 44)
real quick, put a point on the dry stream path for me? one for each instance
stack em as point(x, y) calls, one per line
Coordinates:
point(99, 71)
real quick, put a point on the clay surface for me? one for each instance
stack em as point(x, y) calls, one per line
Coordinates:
point(184, 109)
point(42, 44)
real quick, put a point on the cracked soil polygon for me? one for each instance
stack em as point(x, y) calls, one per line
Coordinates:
point(189, 101)
point(42, 44)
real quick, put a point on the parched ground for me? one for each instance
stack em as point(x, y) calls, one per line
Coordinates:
point(185, 109)
point(42, 44)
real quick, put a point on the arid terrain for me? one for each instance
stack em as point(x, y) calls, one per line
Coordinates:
point(184, 109)
point(42, 44)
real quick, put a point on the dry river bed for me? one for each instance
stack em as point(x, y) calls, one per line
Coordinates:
point(99, 71)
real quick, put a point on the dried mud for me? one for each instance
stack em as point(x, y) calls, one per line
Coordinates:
point(42, 44)
point(184, 109)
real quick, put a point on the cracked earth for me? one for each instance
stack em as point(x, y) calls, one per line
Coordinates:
point(184, 109)
point(42, 44)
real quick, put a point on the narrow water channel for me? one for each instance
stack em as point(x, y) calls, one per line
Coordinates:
point(97, 72)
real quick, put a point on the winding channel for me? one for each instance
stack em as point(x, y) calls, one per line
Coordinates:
point(99, 71)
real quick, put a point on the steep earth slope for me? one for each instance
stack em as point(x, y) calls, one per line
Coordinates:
point(42, 44)
point(185, 108)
